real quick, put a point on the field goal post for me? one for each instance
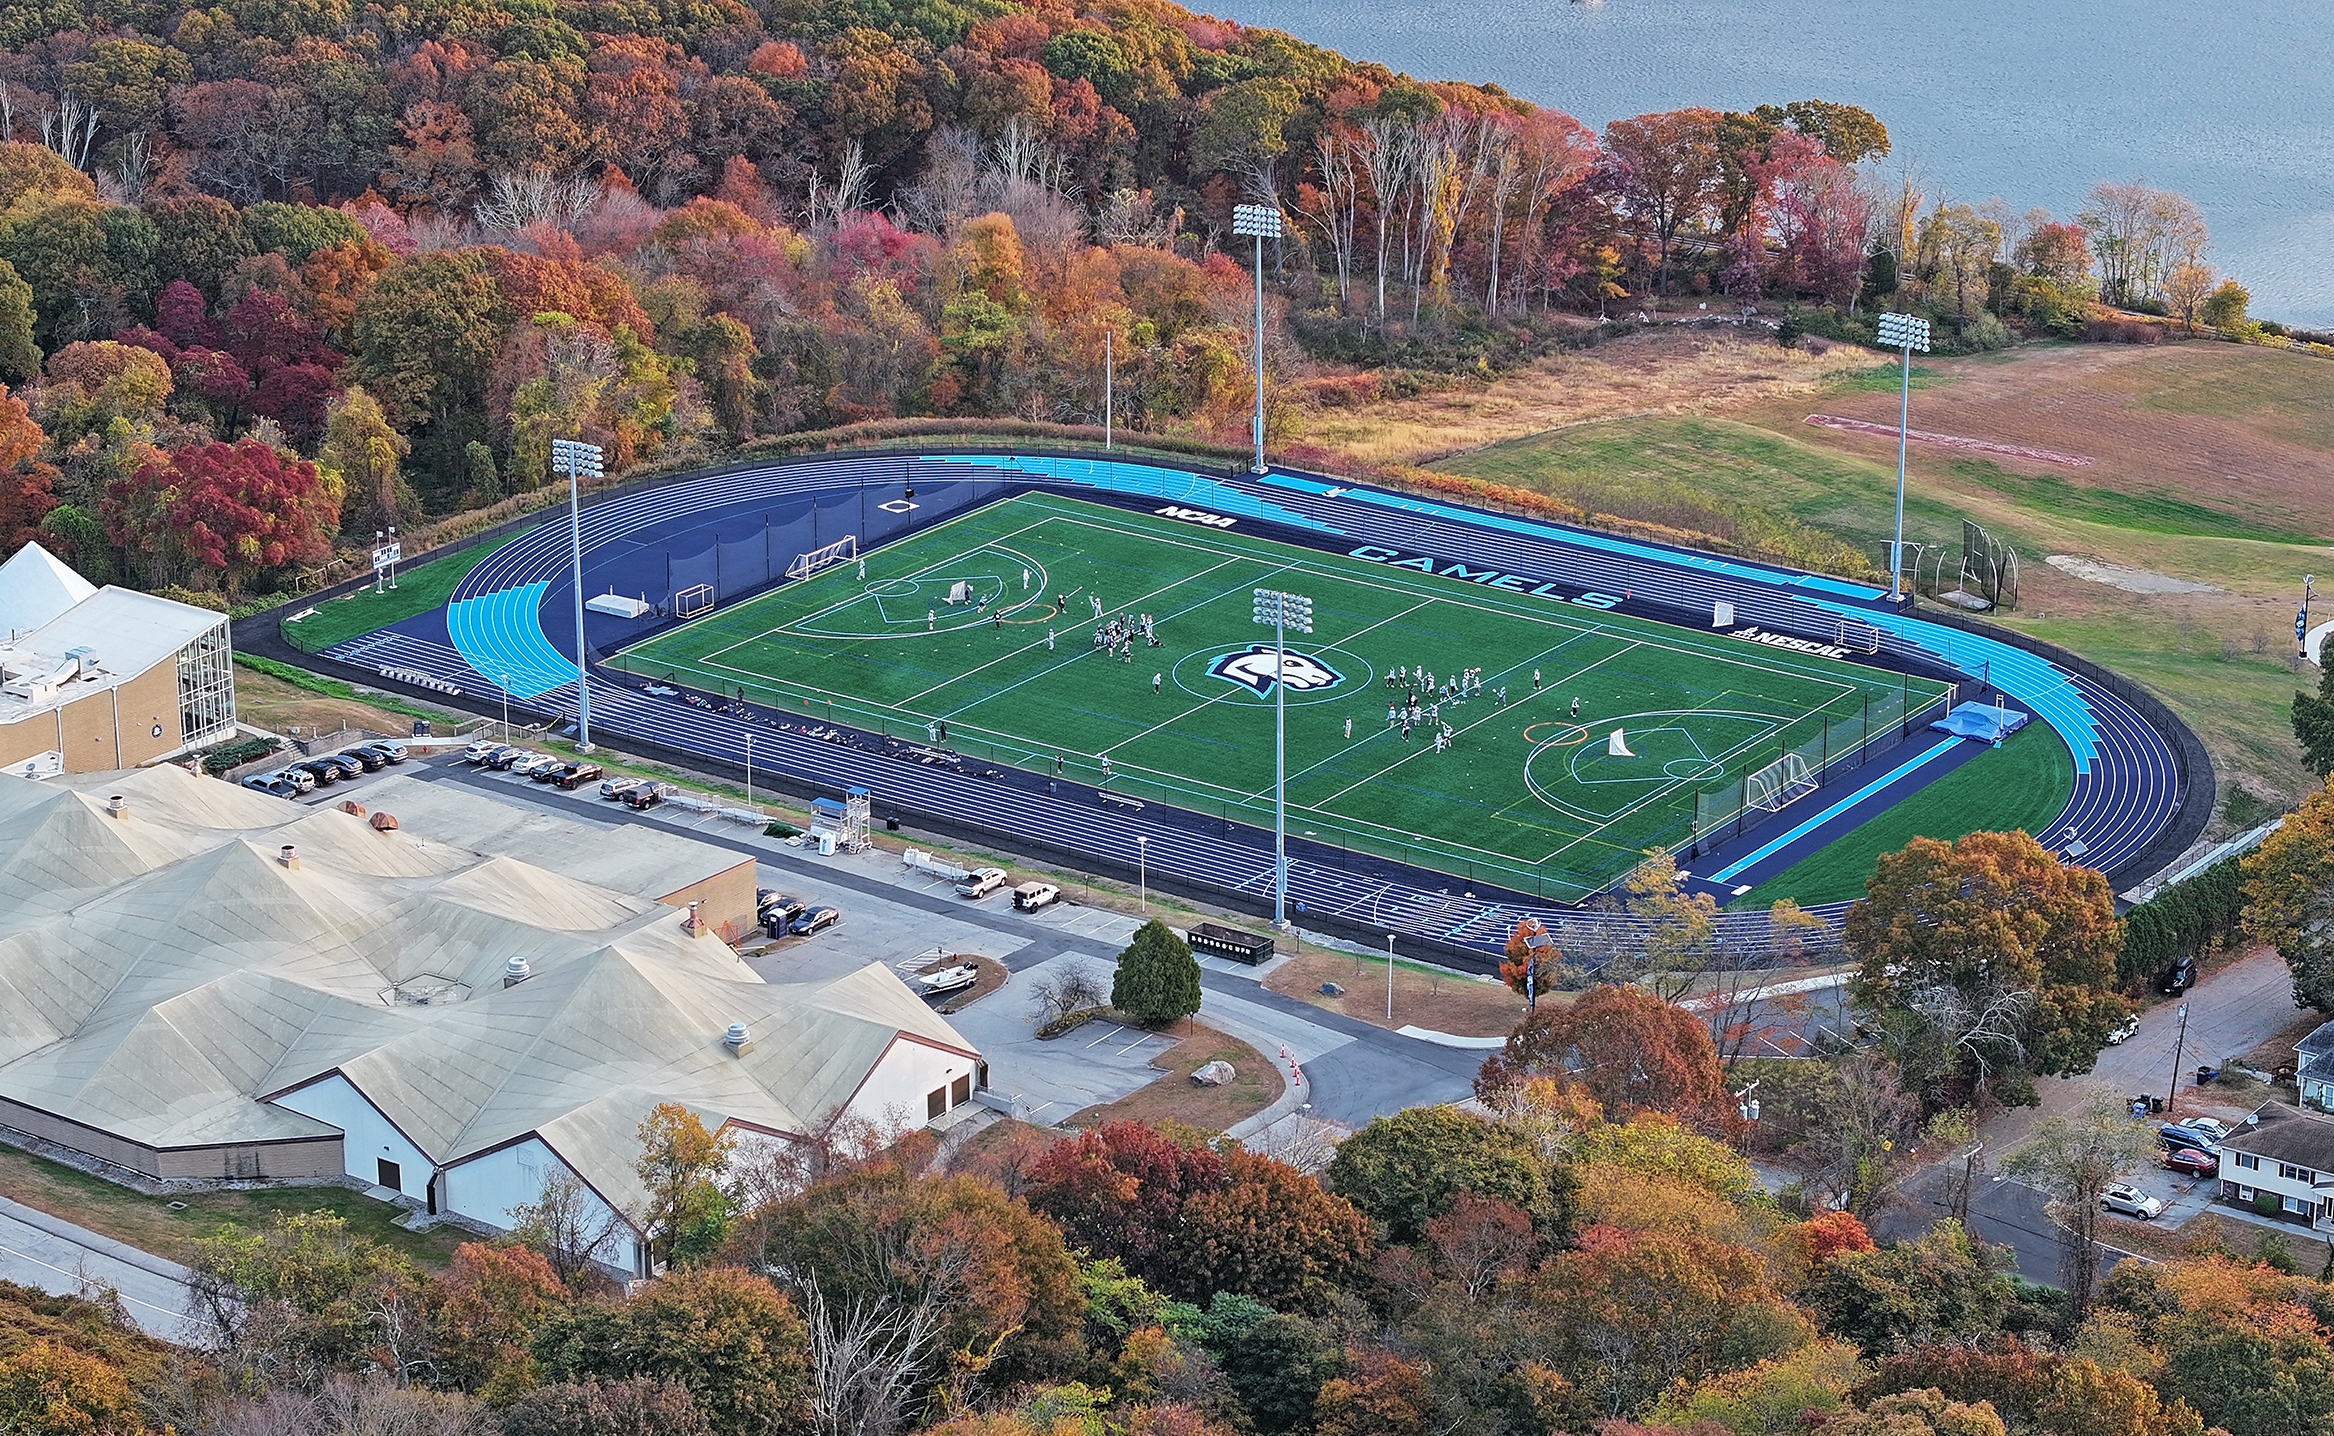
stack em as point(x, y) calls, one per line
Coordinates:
point(1780, 783)
point(690, 602)
point(842, 550)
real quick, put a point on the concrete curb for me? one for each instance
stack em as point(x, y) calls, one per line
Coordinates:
point(1451, 1039)
point(1292, 1097)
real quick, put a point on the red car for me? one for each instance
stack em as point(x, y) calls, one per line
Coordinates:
point(2192, 1163)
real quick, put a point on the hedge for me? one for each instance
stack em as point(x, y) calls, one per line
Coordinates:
point(2182, 920)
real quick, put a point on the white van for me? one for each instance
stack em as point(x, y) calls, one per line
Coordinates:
point(981, 882)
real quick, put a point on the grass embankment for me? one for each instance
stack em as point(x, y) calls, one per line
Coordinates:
point(1435, 998)
point(149, 1224)
point(2024, 784)
point(419, 589)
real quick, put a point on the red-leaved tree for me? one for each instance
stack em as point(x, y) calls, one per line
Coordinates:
point(1626, 1047)
point(240, 509)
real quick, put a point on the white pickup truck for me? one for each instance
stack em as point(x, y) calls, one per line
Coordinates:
point(981, 882)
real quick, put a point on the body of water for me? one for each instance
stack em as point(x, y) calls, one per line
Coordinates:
point(2230, 103)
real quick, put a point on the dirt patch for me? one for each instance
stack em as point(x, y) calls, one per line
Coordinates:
point(1952, 441)
point(1673, 373)
point(279, 707)
point(1423, 997)
point(2217, 423)
point(1256, 1085)
point(2275, 1052)
point(2130, 580)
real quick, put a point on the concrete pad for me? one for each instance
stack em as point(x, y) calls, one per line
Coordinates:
point(1100, 1062)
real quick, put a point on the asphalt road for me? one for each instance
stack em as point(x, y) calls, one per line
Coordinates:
point(54, 1255)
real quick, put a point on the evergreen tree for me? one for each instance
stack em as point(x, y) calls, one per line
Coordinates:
point(1157, 979)
point(2313, 724)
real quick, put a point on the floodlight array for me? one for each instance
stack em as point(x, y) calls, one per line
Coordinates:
point(1904, 331)
point(1259, 221)
point(1275, 609)
point(571, 456)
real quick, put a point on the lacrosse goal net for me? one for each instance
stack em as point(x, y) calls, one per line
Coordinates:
point(1781, 782)
point(842, 550)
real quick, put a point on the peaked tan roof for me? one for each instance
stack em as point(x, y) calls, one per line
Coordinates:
point(164, 973)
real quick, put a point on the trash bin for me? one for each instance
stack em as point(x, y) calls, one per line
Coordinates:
point(2156, 1106)
point(2204, 1075)
point(421, 727)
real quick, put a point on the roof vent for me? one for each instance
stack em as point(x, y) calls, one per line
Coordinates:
point(352, 807)
point(516, 971)
point(384, 822)
point(738, 1040)
point(117, 807)
point(691, 924)
point(291, 857)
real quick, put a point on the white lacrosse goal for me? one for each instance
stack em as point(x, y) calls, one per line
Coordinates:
point(1783, 781)
point(842, 550)
point(690, 602)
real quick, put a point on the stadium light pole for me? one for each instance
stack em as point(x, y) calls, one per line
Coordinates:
point(1389, 977)
point(1262, 222)
point(1143, 872)
point(1281, 612)
point(1902, 331)
point(1109, 394)
point(578, 459)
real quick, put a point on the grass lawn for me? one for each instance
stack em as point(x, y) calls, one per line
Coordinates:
point(149, 1224)
point(1174, 1097)
point(1431, 997)
point(1526, 795)
point(2024, 784)
point(419, 589)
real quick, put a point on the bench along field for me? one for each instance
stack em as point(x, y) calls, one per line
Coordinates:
point(988, 624)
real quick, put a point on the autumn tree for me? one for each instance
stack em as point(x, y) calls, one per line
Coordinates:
point(50, 1389)
point(1410, 1169)
point(633, 1406)
point(242, 510)
point(364, 450)
point(1991, 958)
point(2289, 896)
point(20, 357)
point(1157, 981)
point(427, 333)
point(306, 1295)
point(727, 1335)
point(1668, 168)
point(1531, 962)
point(27, 483)
point(681, 1167)
point(2313, 724)
point(484, 1310)
point(1624, 1046)
point(1940, 1288)
point(2071, 1158)
point(1647, 1308)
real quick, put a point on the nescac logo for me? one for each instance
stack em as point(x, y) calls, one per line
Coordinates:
point(1195, 516)
point(1253, 669)
point(1755, 634)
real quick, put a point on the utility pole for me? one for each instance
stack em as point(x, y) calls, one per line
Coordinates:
point(2179, 1047)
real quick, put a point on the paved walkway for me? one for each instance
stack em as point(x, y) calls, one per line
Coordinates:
point(53, 1254)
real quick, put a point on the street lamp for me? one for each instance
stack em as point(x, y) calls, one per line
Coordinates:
point(1389, 977)
point(749, 770)
point(394, 555)
point(1262, 222)
point(578, 459)
point(1902, 331)
point(504, 681)
point(1281, 612)
point(1142, 873)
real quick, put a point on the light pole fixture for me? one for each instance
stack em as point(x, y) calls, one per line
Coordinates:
point(1262, 222)
point(580, 460)
point(1109, 396)
point(395, 554)
point(504, 680)
point(1902, 331)
point(1281, 612)
point(749, 770)
point(1389, 977)
point(1143, 873)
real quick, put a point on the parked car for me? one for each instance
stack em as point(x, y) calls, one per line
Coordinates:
point(2124, 1031)
point(534, 763)
point(817, 920)
point(482, 750)
point(2131, 1201)
point(2192, 1162)
point(2176, 1135)
point(502, 758)
point(2177, 978)
point(578, 774)
point(273, 785)
point(619, 786)
point(1031, 896)
point(323, 770)
point(648, 795)
point(980, 882)
point(364, 758)
point(389, 748)
point(550, 772)
point(299, 778)
point(2212, 1127)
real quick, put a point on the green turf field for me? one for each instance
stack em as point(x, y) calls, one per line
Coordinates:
point(1525, 796)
